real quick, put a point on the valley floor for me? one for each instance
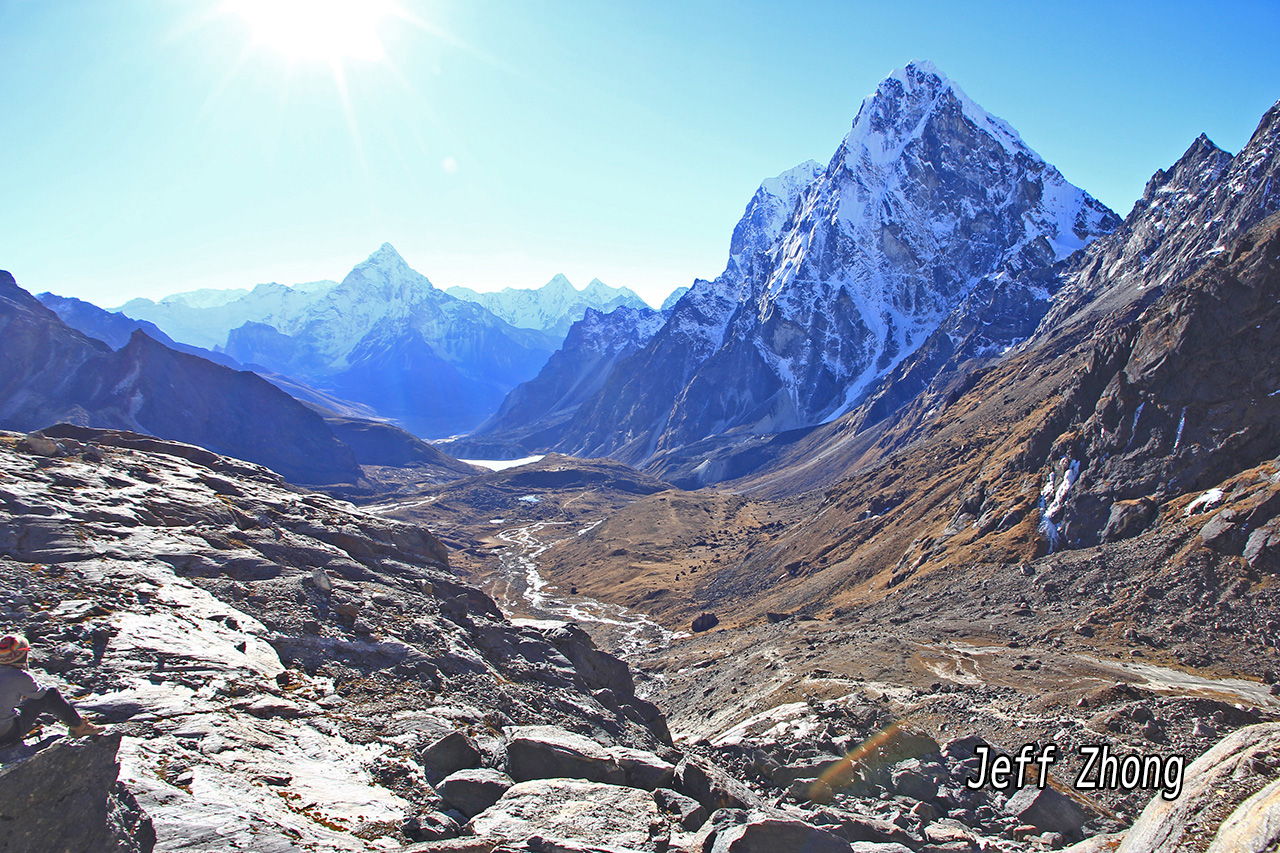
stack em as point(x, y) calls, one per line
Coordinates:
point(990, 655)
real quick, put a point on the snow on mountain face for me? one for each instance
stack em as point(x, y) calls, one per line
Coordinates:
point(927, 194)
point(837, 274)
point(702, 319)
point(386, 337)
point(205, 297)
point(204, 318)
point(382, 288)
point(554, 307)
point(672, 298)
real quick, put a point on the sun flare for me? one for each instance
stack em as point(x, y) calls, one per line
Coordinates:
point(328, 30)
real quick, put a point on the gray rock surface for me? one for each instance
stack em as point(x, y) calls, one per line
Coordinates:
point(66, 797)
point(175, 594)
point(1254, 827)
point(1047, 810)
point(1214, 786)
point(760, 834)
point(712, 787)
point(548, 752)
point(473, 791)
point(591, 812)
point(642, 769)
point(687, 811)
point(449, 754)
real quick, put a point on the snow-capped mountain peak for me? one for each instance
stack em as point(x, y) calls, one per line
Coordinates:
point(386, 276)
point(598, 290)
point(554, 307)
point(836, 275)
point(896, 113)
point(560, 285)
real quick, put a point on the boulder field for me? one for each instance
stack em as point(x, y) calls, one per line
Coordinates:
point(281, 671)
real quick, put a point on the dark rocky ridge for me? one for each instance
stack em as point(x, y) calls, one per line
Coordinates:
point(54, 373)
point(534, 416)
point(115, 329)
point(374, 443)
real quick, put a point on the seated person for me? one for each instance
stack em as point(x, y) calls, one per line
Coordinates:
point(22, 700)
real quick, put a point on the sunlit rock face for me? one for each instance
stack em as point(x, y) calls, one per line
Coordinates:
point(277, 661)
point(838, 274)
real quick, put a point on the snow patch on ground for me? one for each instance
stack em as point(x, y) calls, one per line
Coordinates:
point(1205, 502)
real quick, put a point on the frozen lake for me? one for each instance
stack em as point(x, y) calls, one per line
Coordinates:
point(501, 464)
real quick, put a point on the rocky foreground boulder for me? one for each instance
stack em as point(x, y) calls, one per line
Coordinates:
point(62, 794)
point(1230, 801)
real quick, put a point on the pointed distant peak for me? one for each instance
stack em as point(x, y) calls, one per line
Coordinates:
point(1199, 166)
point(559, 282)
point(598, 286)
point(1202, 151)
point(388, 260)
point(386, 252)
point(385, 266)
point(1201, 148)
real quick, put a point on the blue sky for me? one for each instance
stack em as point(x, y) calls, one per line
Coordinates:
point(154, 146)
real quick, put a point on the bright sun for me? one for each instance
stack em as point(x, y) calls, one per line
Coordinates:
point(329, 30)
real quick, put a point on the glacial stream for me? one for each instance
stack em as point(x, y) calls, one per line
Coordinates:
point(522, 592)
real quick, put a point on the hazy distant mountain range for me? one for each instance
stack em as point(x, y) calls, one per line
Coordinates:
point(555, 306)
point(385, 338)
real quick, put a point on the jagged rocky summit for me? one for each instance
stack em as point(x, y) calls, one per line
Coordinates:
point(837, 274)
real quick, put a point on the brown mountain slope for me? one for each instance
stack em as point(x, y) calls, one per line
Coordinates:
point(942, 526)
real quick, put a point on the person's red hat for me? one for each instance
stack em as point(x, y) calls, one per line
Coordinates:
point(13, 648)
